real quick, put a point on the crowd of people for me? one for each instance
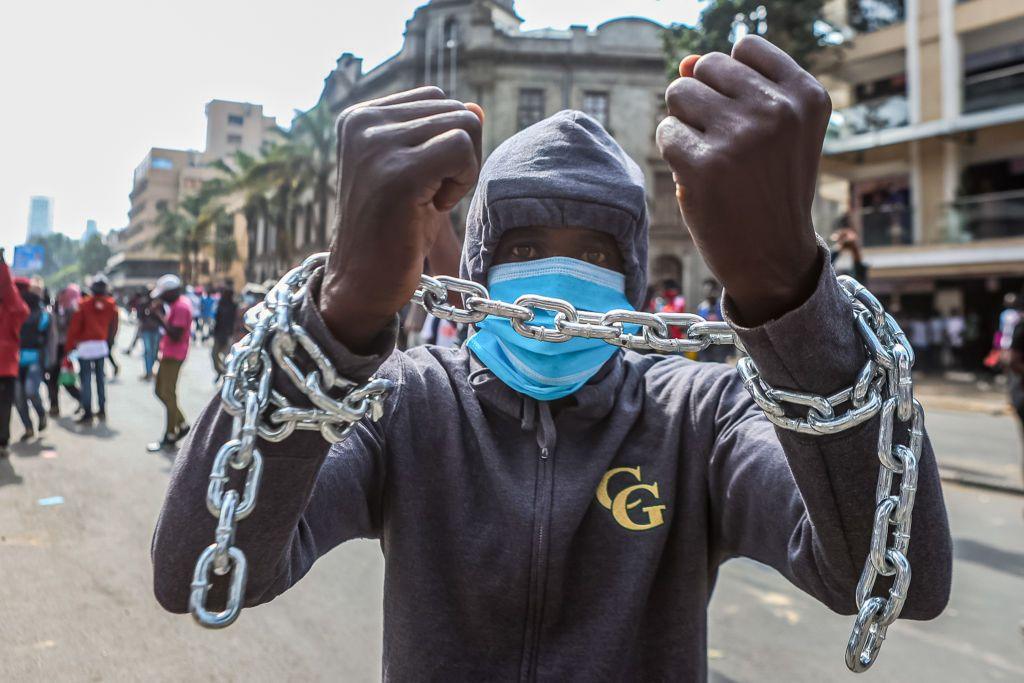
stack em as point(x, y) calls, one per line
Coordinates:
point(64, 343)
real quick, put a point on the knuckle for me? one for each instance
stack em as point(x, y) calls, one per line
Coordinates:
point(712, 61)
point(432, 92)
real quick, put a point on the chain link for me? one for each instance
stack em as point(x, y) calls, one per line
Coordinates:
point(883, 387)
point(258, 410)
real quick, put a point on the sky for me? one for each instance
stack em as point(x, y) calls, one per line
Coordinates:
point(86, 88)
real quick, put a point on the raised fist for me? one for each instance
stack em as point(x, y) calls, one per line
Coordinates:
point(404, 161)
point(743, 138)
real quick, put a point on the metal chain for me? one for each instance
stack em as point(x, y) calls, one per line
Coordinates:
point(883, 386)
point(258, 410)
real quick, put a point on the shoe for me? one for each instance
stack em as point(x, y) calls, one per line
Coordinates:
point(54, 411)
point(27, 436)
point(162, 445)
point(4, 452)
point(102, 416)
point(181, 432)
point(42, 422)
point(85, 419)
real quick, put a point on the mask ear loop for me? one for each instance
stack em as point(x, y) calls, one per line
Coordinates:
point(528, 414)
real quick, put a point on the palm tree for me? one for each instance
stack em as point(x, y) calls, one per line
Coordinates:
point(187, 229)
point(317, 142)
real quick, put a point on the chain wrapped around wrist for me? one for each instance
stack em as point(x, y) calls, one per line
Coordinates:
point(247, 393)
point(884, 386)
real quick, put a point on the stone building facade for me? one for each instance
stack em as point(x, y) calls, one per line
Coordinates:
point(476, 51)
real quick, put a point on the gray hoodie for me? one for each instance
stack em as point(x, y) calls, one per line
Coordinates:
point(584, 545)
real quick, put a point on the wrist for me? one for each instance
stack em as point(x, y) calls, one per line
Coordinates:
point(757, 300)
point(350, 321)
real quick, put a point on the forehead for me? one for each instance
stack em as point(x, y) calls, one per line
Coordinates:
point(561, 235)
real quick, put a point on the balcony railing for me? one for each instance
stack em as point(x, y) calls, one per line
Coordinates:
point(994, 89)
point(868, 116)
point(888, 225)
point(985, 216)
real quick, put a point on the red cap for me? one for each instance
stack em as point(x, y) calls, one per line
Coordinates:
point(22, 282)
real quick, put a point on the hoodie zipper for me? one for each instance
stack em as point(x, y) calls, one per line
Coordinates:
point(541, 543)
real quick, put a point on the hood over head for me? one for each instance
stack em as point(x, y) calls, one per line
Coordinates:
point(564, 171)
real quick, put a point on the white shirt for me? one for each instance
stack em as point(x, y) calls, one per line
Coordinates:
point(93, 349)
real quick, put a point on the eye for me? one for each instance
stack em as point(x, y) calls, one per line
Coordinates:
point(523, 251)
point(596, 257)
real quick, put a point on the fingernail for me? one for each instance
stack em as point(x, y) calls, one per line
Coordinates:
point(476, 109)
point(687, 64)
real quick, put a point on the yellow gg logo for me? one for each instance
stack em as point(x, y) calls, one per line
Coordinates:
point(621, 503)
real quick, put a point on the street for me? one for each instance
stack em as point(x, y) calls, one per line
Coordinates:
point(77, 604)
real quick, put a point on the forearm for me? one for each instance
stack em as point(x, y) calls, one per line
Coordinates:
point(268, 537)
point(816, 349)
point(304, 506)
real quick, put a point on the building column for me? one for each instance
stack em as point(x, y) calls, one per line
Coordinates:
point(952, 64)
point(913, 60)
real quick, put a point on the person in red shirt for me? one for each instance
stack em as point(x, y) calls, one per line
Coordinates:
point(13, 312)
point(92, 327)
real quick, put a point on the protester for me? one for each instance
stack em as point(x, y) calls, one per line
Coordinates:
point(36, 336)
point(955, 326)
point(559, 511)
point(149, 331)
point(193, 301)
point(710, 308)
point(92, 327)
point(207, 310)
point(177, 327)
point(1015, 365)
point(13, 312)
point(64, 309)
point(937, 341)
point(845, 253)
point(920, 341)
point(225, 324)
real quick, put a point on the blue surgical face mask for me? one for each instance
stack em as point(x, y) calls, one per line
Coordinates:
point(547, 370)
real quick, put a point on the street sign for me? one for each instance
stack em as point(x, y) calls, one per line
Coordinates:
point(28, 258)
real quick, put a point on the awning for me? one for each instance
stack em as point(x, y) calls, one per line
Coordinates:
point(980, 259)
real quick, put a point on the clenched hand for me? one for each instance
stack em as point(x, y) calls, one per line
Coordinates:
point(404, 161)
point(743, 138)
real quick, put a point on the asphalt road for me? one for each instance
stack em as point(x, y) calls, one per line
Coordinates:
point(76, 604)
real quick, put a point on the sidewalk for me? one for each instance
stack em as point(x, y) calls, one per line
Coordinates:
point(964, 391)
point(973, 429)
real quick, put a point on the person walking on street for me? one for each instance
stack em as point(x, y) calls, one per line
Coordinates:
point(1015, 365)
point(149, 331)
point(13, 312)
point(955, 326)
point(35, 350)
point(63, 310)
point(92, 327)
point(177, 326)
point(225, 323)
point(559, 511)
point(207, 312)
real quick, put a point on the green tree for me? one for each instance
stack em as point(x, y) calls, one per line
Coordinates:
point(187, 229)
point(315, 143)
point(796, 26)
point(93, 255)
point(59, 251)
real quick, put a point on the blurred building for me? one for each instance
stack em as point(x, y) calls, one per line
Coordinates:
point(40, 217)
point(90, 230)
point(164, 177)
point(925, 153)
point(476, 51)
point(235, 126)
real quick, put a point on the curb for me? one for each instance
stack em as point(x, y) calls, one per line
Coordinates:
point(975, 482)
point(955, 403)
